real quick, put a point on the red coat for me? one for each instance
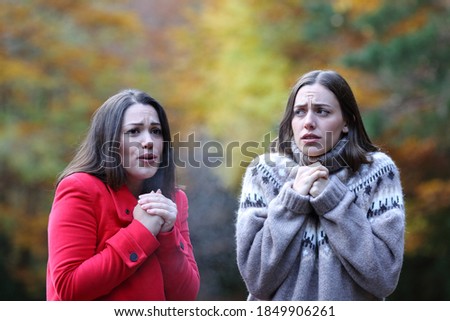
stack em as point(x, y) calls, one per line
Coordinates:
point(98, 252)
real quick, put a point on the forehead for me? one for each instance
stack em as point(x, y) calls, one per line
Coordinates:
point(140, 113)
point(315, 94)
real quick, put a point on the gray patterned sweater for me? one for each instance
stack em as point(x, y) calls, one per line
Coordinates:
point(345, 244)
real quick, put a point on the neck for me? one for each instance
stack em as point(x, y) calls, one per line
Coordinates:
point(332, 159)
point(135, 187)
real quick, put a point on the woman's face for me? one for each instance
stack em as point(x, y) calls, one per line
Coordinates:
point(317, 123)
point(141, 143)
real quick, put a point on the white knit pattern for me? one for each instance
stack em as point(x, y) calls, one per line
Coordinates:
point(281, 235)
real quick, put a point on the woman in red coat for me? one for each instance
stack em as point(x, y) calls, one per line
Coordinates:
point(118, 227)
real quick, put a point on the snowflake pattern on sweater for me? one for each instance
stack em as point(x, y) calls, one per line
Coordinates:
point(306, 241)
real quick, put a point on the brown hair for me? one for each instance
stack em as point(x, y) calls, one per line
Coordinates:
point(98, 154)
point(359, 144)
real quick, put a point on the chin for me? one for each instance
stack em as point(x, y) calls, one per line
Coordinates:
point(312, 152)
point(152, 173)
point(147, 173)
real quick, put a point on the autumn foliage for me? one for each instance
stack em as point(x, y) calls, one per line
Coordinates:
point(223, 69)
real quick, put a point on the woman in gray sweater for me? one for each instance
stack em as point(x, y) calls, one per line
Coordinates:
point(321, 217)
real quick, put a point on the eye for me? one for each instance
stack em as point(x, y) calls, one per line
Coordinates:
point(299, 112)
point(323, 112)
point(156, 131)
point(132, 131)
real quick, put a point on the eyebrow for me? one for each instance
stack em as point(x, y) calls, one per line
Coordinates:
point(314, 104)
point(142, 124)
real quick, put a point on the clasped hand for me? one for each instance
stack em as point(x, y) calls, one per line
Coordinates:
point(156, 212)
point(311, 179)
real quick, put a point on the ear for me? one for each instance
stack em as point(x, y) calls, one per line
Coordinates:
point(345, 129)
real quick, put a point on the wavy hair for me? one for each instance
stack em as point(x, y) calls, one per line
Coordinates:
point(359, 144)
point(98, 153)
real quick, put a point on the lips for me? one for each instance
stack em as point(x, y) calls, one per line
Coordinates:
point(148, 158)
point(308, 136)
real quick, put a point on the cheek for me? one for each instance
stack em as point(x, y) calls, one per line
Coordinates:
point(128, 152)
point(296, 128)
point(333, 135)
point(158, 146)
point(122, 151)
point(330, 139)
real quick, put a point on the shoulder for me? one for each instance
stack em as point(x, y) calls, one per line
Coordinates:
point(79, 191)
point(180, 197)
point(180, 194)
point(381, 158)
point(270, 159)
point(382, 164)
point(268, 172)
point(380, 171)
point(81, 177)
point(271, 163)
point(83, 182)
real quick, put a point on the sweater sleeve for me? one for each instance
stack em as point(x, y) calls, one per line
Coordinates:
point(268, 233)
point(77, 270)
point(176, 256)
point(369, 239)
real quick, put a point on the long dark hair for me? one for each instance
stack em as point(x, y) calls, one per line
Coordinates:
point(359, 144)
point(98, 154)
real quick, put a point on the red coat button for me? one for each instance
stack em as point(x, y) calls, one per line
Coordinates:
point(133, 257)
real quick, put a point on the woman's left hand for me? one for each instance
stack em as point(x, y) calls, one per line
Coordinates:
point(318, 186)
point(157, 204)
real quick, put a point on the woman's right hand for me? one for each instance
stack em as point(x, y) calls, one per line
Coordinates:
point(307, 175)
point(153, 223)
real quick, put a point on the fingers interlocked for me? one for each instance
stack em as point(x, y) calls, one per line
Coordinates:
point(155, 203)
point(311, 179)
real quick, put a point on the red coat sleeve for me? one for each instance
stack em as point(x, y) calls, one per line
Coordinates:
point(176, 256)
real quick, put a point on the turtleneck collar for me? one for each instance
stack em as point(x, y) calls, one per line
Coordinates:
point(332, 159)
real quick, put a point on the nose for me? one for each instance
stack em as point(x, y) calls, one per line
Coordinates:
point(309, 120)
point(147, 141)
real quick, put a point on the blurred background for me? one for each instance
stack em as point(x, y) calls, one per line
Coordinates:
point(223, 70)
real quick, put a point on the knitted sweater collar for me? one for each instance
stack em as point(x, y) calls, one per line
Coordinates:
point(332, 160)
